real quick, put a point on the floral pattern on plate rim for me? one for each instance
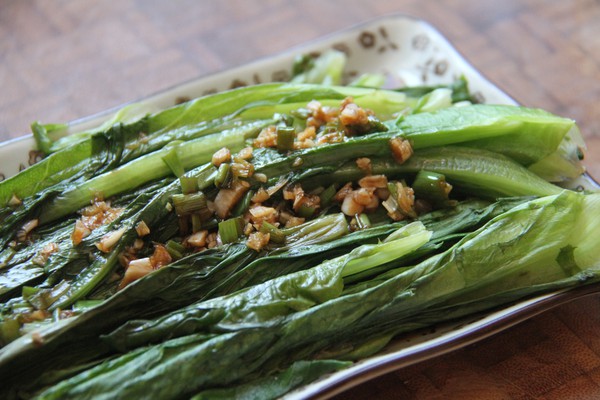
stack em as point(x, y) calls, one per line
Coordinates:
point(371, 42)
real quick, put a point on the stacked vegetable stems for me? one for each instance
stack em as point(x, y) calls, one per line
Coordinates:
point(248, 242)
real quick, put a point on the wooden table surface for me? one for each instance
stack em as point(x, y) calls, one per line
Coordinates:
point(61, 60)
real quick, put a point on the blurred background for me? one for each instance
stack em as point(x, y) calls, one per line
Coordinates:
point(65, 59)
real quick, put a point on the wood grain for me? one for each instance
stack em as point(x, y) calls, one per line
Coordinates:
point(64, 59)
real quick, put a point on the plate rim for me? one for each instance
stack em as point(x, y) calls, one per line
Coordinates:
point(489, 325)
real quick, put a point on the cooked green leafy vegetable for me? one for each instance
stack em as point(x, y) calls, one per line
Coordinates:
point(486, 265)
point(245, 243)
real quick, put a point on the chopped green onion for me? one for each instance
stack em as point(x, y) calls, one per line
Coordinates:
point(224, 176)
point(362, 221)
point(305, 211)
point(206, 177)
point(176, 250)
point(242, 206)
point(285, 138)
point(231, 229)
point(186, 204)
point(188, 184)
point(196, 222)
point(174, 163)
point(276, 234)
point(327, 195)
point(432, 187)
point(393, 189)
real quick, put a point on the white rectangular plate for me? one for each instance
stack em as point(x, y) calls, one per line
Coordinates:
point(409, 52)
